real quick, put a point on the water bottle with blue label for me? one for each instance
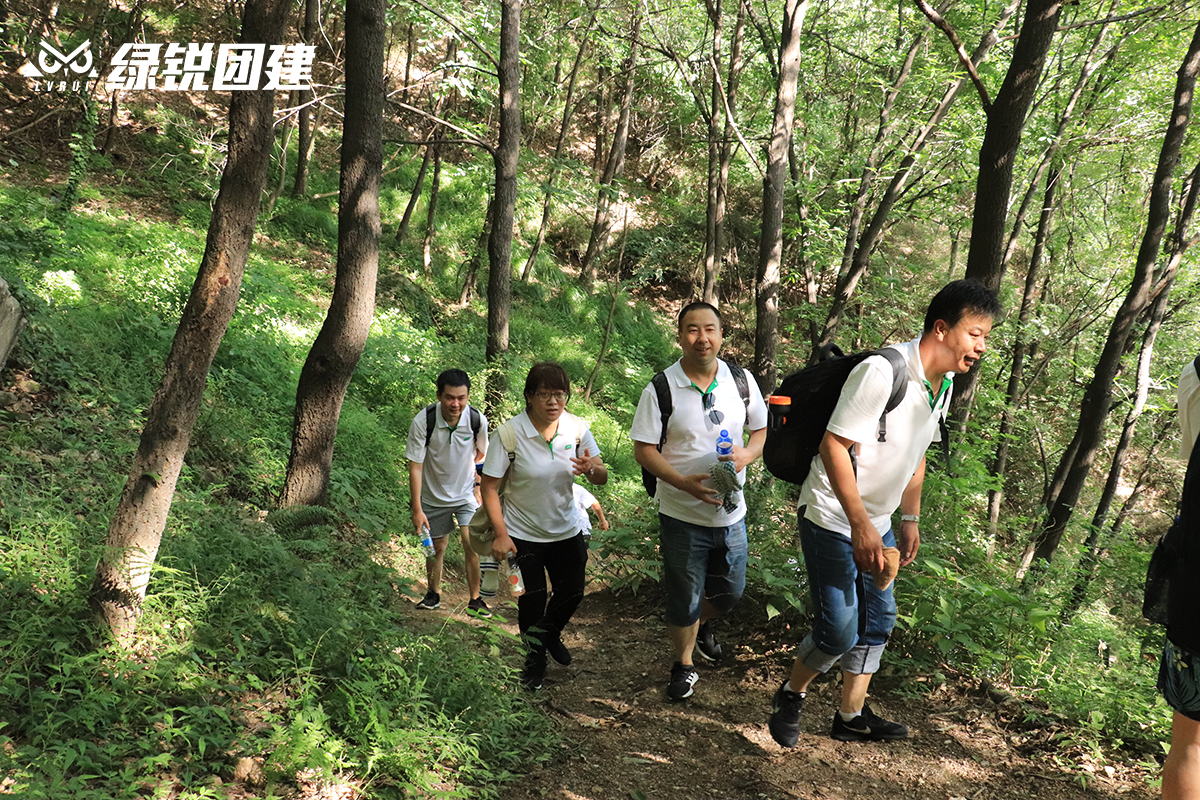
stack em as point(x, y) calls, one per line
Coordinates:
point(724, 444)
point(427, 542)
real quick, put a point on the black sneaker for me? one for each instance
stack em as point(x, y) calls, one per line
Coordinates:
point(785, 716)
point(558, 651)
point(866, 727)
point(535, 670)
point(707, 644)
point(479, 607)
point(683, 678)
point(430, 601)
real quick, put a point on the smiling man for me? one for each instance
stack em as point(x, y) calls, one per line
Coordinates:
point(680, 417)
point(847, 501)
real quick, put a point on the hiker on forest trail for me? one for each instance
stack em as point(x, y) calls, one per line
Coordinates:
point(535, 520)
point(1179, 670)
point(846, 503)
point(445, 441)
point(702, 530)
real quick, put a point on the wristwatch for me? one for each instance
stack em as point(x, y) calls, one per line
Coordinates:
point(910, 518)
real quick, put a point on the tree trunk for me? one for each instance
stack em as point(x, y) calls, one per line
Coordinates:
point(135, 531)
point(402, 228)
point(1028, 300)
point(848, 281)
point(305, 116)
point(770, 249)
point(997, 154)
point(504, 202)
point(277, 191)
point(556, 162)
point(339, 345)
point(1085, 570)
point(468, 287)
point(431, 210)
point(732, 85)
point(614, 167)
point(1096, 398)
point(716, 113)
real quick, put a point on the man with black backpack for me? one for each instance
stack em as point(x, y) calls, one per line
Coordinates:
point(1179, 670)
point(445, 441)
point(689, 424)
point(859, 477)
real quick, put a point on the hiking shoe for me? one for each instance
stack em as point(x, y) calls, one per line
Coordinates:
point(707, 644)
point(866, 727)
point(430, 600)
point(479, 607)
point(785, 716)
point(535, 670)
point(683, 678)
point(558, 651)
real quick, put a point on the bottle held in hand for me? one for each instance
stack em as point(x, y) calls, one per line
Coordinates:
point(724, 444)
point(516, 582)
point(427, 542)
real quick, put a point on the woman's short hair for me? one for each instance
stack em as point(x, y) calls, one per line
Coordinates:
point(549, 374)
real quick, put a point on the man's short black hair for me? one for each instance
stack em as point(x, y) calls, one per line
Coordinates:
point(696, 305)
point(453, 377)
point(960, 298)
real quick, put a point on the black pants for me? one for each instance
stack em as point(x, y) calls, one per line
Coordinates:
point(541, 613)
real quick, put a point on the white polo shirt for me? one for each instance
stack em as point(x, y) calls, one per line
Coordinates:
point(691, 445)
point(584, 500)
point(884, 468)
point(448, 471)
point(1189, 409)
point(539, 503)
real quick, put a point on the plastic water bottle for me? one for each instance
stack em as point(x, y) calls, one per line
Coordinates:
point(516, 582)
point(489, 577)
point(427, 542)
point(724, 444)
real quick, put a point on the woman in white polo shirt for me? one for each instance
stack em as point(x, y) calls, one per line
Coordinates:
point(536, 518)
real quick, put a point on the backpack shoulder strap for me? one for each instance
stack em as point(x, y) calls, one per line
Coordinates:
point(508, 439)
point(899, 386)
point(430, 422)
point(476, 421)
point(665, 406)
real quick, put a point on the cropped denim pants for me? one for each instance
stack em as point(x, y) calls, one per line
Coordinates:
point(853, 618)
point(701, 563)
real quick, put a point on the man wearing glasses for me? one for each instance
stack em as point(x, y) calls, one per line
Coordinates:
point(703, 543)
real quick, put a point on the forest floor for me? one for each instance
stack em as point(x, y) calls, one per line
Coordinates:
point(624, 741)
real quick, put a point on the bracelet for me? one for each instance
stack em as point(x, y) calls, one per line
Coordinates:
point(591, 469)
point(910, 518)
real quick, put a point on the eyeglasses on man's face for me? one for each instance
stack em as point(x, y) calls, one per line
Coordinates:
point(551, 397)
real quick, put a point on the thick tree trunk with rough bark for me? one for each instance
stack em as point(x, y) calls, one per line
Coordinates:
point(770, 248)
point(504, 201)
point(997, 155)
point(339, 345)
point(1096, 399)
point(135, 531)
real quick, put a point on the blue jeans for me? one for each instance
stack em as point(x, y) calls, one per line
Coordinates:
point(853, 618)
point(701, 562)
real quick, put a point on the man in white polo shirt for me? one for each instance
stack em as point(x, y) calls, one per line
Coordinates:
point(445, 441)
point(855, 484)
point(702, 541)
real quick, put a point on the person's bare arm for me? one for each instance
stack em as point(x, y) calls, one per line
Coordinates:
point(868, 544)
point(647, 455)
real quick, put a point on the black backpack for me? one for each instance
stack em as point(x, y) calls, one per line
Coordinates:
point(430, 423)
point(665, 407)
point(793, 441)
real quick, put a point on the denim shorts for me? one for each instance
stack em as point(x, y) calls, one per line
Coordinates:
point(1179, 680)
point(442, 519)
point(698, 562)
point(853, 619)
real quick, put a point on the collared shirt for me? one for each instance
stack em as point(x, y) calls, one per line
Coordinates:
point(448, 464)
point(884, 468)
point(538, 501)
point(692, 436)
point(1189, 409)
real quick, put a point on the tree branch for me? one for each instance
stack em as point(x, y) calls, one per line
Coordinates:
point(471, 138)
point(486, 54)
point(940, 21)
point(729, 116)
